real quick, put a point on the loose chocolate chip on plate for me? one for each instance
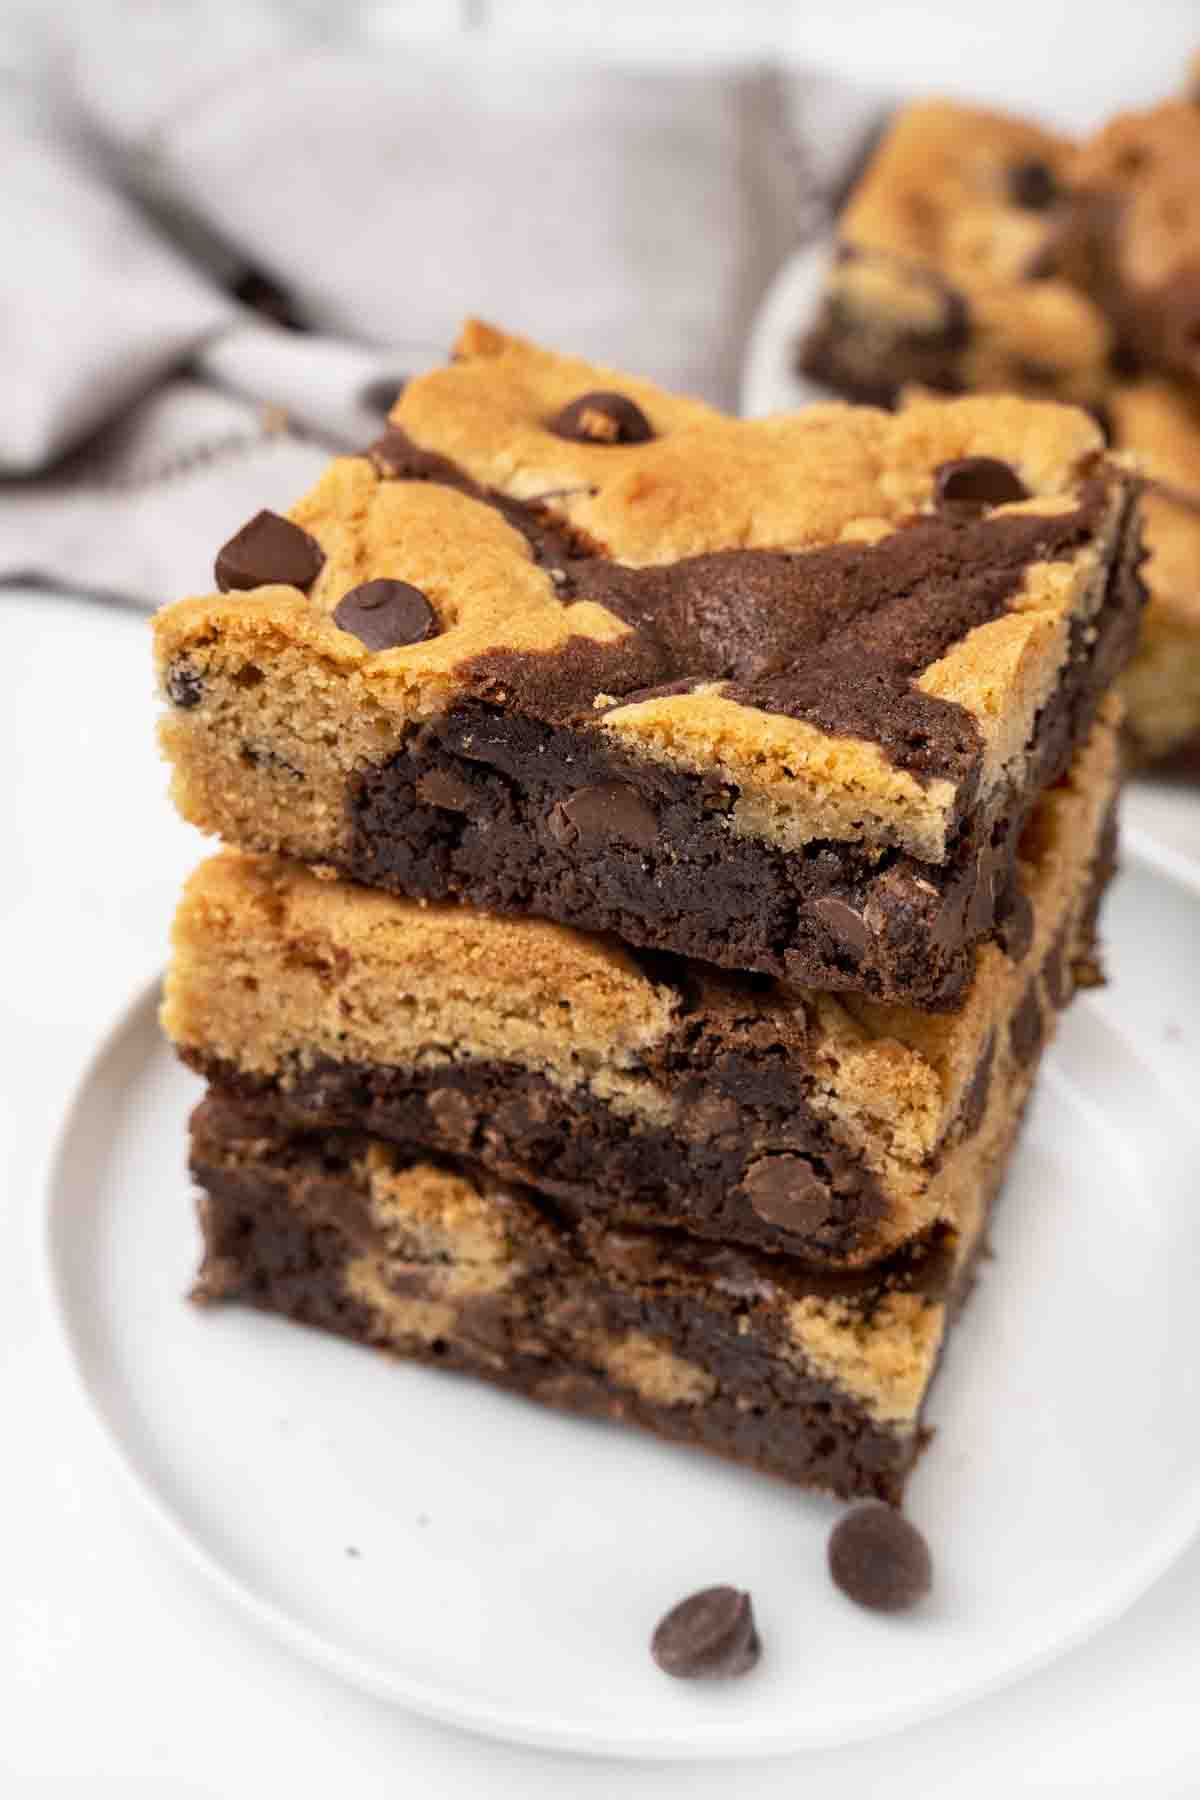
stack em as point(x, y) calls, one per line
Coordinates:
point(183, 684)
point(879, 1560)
point(786, 1191)
point(268, 549)
point(610, 809)
point(386, 614)
point(710, 1636)
point(976, 482)
point(1031, 184)
point(602, 419)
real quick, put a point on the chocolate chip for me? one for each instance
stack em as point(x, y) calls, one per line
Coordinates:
point(1014, 921)
point(710, 1636)
point(379, 396)
point(386, 614)
point(879, 1560)
point(610, 809)
point(1025, 1028)
point(976, 482)
point(844, 923)
point(975, 1098)
point(602, 419)
point(1057, 972)
point(1032, 184)
point(268, 549)
point(786, 1191)
point(442, 787)
point(183, 684)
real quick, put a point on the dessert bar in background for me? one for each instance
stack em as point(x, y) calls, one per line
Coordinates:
point(775, 695)
point(942, 278)
point(651, 1093)
point(979, 253)
point(1159, 422)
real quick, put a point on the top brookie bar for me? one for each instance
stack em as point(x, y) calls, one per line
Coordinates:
point(776, 695)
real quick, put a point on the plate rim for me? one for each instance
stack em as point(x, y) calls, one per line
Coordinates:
point(468, 1712)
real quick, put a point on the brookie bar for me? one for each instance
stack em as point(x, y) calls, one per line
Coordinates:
point(943, 276)
point(820, 1379)
point(776, 695)
point(638, 1091)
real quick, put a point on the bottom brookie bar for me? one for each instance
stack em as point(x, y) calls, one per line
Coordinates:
point(817, 1376)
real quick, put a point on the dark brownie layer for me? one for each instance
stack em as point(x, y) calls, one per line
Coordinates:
point(283, 1222)
point(519, 816)
point(739, 1116)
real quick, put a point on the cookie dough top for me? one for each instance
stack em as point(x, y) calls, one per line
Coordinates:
point(968, 190)
point(863, 607)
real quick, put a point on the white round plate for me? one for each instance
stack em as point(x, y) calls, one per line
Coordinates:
point(770, 380)
point(499, 1567)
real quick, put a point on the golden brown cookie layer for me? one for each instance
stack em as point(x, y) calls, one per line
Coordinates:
point(833, 1128)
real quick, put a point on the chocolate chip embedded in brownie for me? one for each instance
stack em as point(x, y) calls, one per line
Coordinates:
point(776, 695)
point(820, 1379)
point(1159, 422)
point(660, 1094)
point(1131, 233)
point(945, 273)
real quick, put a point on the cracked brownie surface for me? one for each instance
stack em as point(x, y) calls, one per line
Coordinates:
point(651, 1091)
point(774, 694)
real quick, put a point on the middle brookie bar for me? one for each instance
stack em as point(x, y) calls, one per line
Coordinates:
point(644, 1092)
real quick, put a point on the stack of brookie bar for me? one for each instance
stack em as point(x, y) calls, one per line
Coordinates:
point(660, 846)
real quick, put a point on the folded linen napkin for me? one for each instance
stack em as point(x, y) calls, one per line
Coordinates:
point(373, 194)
